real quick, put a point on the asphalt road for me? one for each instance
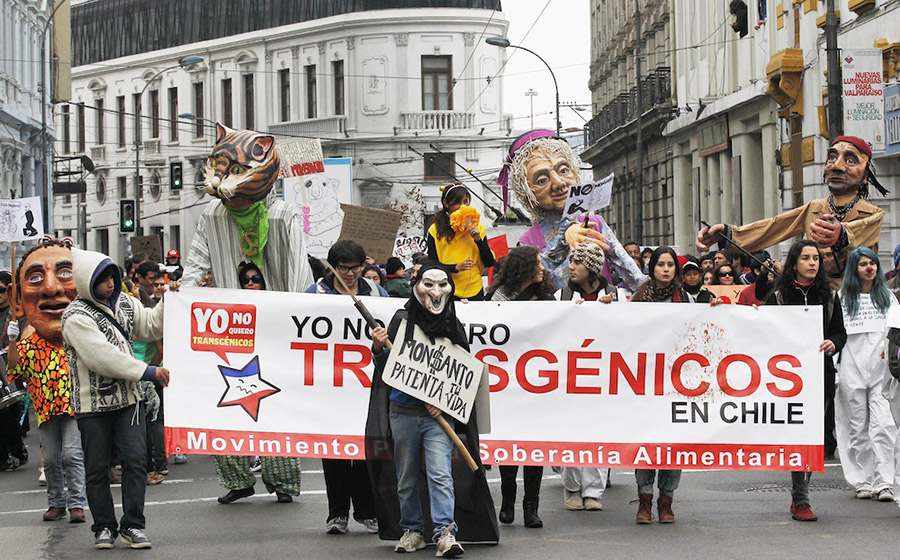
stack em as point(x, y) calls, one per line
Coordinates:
point(719, 515)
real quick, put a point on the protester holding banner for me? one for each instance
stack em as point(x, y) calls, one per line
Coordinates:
point(347, 480)
point(407, 427)
point(521, 276)
point(865, 428)
point(459, 242)
point(540, 168)
point(280, 475)
point(803, 282)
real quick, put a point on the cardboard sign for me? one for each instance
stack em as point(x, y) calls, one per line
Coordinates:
point(590, 197)
point(440, 373)
point(317, 199)
point(375, 230)
point(147, 245)
point(21, 219)
point(868, 318)
point(406, 247)
point(727, 294)
point(301, 157)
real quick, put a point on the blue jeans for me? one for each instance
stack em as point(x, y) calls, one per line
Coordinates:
point(668, 481)
point(63, 462)
point(412, 434)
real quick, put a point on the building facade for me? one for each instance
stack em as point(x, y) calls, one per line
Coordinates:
point(370, 83)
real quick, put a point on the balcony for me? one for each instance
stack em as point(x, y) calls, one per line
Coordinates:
point(438, 120)
point(656, 90)
point(311, 127)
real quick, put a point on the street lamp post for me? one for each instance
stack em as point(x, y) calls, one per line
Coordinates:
point(48, 183)
point(503, 42)
point(184, 62)
point(531, 93)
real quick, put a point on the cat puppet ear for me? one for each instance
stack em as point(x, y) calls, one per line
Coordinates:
point(221, 131)
point(262, 145)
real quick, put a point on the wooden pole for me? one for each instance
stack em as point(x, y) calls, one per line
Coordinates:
point(360, 306)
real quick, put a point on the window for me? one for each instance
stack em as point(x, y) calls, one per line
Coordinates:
point(175, 238)
point(226, 102)
point(310, 91)
point(81, 131)
point(155, 185)
point(439, 167)
point(284, 77)
point(337, 68)
point(136, 102)
point(67, 147)
point(198, 109)
point(154, 113)
point(248, 102)
point(101, 190)
point(173, 114)
point(123, 186)
point(120, 118)
point(103, 241)
point(436, 76)
point(98, 105)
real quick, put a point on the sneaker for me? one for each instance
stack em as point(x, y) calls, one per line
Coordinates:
point(337, 526)
point(154, 478)
point(135, 538)
point(802, 512)
point(863, 494)
point(180, 458)
point(447, 547)
point(411, 541)
point(42, 478)
point(885, 495)
point(573, 501)
point(371, 525)
point(55, 513)
point(104, 538)
point(76, 515)
point(592, 504)
point(163, 471)
point(256, 465)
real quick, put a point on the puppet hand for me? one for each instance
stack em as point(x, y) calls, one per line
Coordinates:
point(576, 233)
point(12, 331)
point(433, 410)
point(826, 231)
point(379, 339)
point(708, 235)
point(162, 376)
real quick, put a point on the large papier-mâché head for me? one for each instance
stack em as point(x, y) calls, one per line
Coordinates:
point(540, 168)
point(242, 167)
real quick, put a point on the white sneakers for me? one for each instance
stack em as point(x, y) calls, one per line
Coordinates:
point(411, 541)
point(447, 547)
point(573, 500)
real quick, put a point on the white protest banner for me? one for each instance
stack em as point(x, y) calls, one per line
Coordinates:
point(862, 95)
point(619, 385)
point(590, 197)
point(438, 373)
point(300, 157)
point(317, 197)
point(21, 219)
point(868, 318)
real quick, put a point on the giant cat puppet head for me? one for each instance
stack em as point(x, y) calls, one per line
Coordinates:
point(242, 167)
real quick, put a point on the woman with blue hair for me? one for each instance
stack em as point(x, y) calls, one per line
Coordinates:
point(865, 428)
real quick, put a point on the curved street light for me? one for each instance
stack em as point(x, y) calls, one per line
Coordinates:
point(504, 43)
point(183, 63)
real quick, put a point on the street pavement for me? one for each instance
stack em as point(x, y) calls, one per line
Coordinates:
point(720, 515)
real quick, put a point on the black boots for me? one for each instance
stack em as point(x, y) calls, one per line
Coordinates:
point(532, 520)
point(508, 510)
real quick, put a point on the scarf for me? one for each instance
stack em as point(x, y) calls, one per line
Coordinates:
point(254, 222)
point(653, 293)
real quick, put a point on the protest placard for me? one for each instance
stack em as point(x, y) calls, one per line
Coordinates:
point(589, 197)
point(317, 198)
point(868, 318)
point(438, 373)
point(21, 219)
point(862, 95)
point(300, 157)
point(406, 247)
point(375, 230)
point(147, 246)
point(727, 294)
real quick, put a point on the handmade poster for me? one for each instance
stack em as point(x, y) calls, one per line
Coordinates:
point(317, 197)
point(375, 230)
point(725, 387)
point(862, 95)
point(590, 197)
point(727, 294)
point(406, 247)
point(868, 318)
point(301, 157)
point(21, 219)
point(436, 372)
point(147, 245)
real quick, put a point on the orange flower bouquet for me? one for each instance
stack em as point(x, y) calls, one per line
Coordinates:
point(464, 219)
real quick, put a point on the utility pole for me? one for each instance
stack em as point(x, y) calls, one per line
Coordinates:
point(531, 93)
point(638, 150)
point(835, 103)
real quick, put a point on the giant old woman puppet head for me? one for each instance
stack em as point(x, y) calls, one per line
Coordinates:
point(540, 168)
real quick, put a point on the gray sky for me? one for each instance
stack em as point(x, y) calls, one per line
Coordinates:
point(562, 37)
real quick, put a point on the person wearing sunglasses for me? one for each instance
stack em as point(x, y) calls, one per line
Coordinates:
point(723, 275)
point(347, 480)
point(280, 475)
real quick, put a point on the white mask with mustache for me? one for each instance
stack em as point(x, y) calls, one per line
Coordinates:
point(433, 290)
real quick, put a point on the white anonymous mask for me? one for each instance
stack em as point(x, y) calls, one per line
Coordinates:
point(433, 290)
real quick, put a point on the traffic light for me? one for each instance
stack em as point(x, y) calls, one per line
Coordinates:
point(175, 181)
point(126, 215)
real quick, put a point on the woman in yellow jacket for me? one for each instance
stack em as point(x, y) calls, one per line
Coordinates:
point(464, 254)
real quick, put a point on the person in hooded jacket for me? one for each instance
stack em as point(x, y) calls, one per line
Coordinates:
point(97, 330)
point(803, 282)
